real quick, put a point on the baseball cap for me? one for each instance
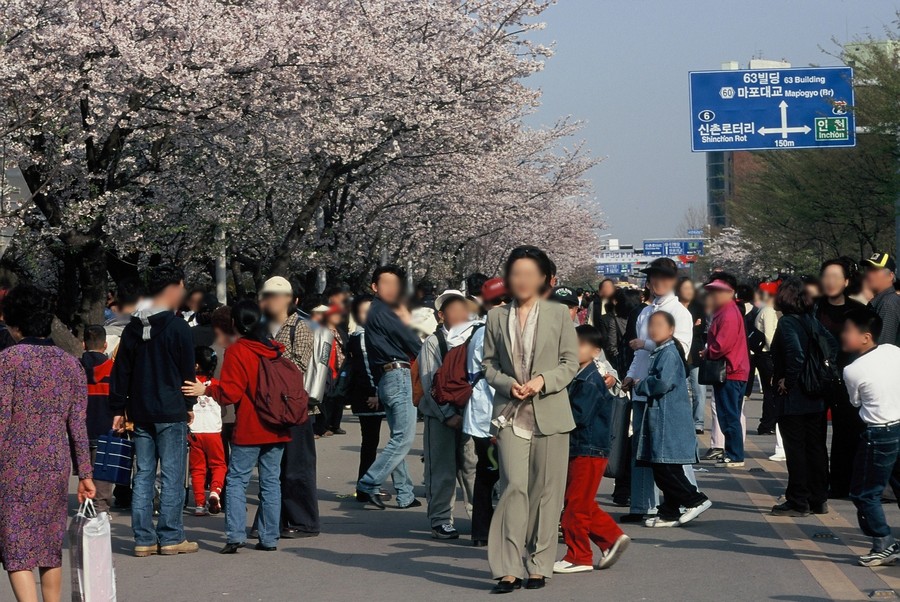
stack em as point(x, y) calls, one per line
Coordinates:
point(493, 289)
point(770, 287)
point(662, 266)
point(717, 284)
point(320, 309)
point(564, 295)
point(277, 285)
point(881, 261)
point(447, 295)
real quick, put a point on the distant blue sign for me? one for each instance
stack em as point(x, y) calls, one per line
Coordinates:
point(772, 109)
point(673, 248)
point(695, 232)
point(614, 269)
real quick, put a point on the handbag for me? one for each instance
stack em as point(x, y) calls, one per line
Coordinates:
point(318, 375)
point(114, 459)
point(90, 544)
point(711, 372)
point(619, 457)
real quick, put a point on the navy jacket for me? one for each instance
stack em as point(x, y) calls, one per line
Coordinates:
point(388, 339)
point(592, 407)
point(98, 368)
point(155, 356)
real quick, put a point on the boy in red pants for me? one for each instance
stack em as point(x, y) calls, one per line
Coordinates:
point(207, 451)
point(583, 521)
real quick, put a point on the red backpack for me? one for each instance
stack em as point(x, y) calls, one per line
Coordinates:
point(281, 401)
point(451, 385)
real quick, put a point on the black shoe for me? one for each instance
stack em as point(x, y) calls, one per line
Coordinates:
point(698, 431)
point(292, 533)
point(231, 548)
point(535, 582)
point(621, 502)
point(413, 504)
point(786, 509)
point(263, 548)
point(819, 508)
point(507, 587)
point(479, 543)
point(254, 534)
point(765, 431)
point(375, 502)
point(714, 453)
point(339, 431)
point(632, 518)
point(445, 531)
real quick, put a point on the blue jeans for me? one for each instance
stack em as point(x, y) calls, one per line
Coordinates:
point(162, 444)
point(875, 466)
point(729, 398)
point(243, 459)
point(698, 397)
point(395, 393)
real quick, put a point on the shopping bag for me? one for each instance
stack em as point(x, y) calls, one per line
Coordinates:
point(90, 554)
point(114, 459)
point(619, 424)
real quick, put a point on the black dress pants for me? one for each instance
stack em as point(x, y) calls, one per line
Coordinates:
point(370, 429)
point(766, 374)
point(487, 473)
point(846, 429)
point(804, 437)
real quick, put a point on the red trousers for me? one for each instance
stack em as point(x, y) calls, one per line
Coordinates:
point(207, 456)
point(583, 521)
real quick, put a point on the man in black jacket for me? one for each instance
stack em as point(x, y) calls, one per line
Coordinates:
point(155, 357)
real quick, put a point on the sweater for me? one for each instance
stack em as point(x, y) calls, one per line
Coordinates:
point(237, 386)
point(98, 369)
point(155, 358)
point(727, 339)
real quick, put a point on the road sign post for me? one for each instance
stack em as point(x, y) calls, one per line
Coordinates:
point(772, 109)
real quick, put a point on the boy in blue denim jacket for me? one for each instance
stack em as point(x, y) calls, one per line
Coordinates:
point(666, 438)
point(583, 521)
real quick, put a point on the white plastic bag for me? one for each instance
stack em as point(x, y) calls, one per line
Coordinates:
point(90, 551)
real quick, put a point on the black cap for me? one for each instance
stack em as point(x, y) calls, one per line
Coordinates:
point(564, 295)
point(882, 261)
point(662, 266)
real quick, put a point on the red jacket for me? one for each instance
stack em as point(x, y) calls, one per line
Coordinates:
point(728, 339)
point(237, 385)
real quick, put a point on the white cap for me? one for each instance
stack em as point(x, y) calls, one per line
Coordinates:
point(277, 285)
point(446, 296)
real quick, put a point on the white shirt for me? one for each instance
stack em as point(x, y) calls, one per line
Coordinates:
point(873, 382)
point(684, 334)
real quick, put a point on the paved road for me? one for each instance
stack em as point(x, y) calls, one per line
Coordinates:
point(735, 551)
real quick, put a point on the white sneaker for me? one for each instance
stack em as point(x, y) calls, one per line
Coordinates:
point(612, 555)
point(201, 511)
point(564, 566)
point(778, 458)
point(692, 513)
point(658, 522)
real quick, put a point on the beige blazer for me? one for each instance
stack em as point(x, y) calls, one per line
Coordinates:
point(555, 358)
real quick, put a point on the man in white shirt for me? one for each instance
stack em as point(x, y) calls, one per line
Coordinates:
point(873, 384)
point(662, 276)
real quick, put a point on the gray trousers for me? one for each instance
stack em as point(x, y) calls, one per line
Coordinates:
point(526, 521)
point(449, 458)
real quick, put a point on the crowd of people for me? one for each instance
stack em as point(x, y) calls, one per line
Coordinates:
point(515, 378)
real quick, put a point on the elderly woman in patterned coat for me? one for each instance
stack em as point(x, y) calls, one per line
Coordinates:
point(43, 427)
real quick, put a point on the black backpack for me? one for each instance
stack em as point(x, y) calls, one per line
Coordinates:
point(756, 340)
point(819, 374)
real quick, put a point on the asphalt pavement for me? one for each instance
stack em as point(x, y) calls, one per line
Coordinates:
point(735, 551)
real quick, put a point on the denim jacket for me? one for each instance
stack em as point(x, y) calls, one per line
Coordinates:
point(666, 435)
point(592, 407)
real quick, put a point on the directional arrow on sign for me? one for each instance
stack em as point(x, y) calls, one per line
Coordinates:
point(784, 130)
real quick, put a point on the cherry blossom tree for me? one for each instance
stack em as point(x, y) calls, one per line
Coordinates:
point(310, 135)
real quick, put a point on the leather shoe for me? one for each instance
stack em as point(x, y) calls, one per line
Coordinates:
point(293, 533)
point(413, 504)
point(375, 502)
point(231, 548)
point(507, 587)
point(263, 548)
point(535, 582)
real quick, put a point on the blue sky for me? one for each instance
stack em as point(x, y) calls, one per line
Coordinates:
point(622, 67)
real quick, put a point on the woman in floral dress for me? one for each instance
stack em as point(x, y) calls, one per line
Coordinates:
point(43, 401)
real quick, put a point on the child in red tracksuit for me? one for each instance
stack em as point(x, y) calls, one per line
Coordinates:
point(583, 521)
point(207, 451)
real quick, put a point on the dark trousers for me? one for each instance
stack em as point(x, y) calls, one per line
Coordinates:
point(766, 374)
point(677, 490)
point(729, 399)
point(804, 438)
point(370, 429)
point(846, 428)
point(487, 473)
point(299, 494)
point(622, 489)
point(748, 390)
point(876, 465)
point(335, 413)
point(227, 433)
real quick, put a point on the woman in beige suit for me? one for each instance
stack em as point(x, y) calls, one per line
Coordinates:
point(530, 356)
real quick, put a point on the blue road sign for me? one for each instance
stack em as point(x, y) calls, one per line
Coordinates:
point(772, 109)
point(695, 232)
point(673, 248)
point(614, 269)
